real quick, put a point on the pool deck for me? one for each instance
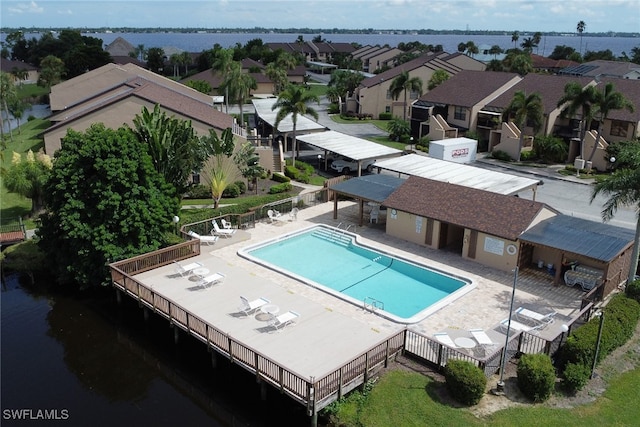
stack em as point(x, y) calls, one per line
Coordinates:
point(330, 331)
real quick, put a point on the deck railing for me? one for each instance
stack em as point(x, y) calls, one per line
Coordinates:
point(313, 393)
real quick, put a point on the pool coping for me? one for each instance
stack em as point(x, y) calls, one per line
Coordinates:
point(471, 284)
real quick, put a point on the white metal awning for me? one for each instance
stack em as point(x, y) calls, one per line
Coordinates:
point(349, 146)
point(264, 111)
point(457, 173)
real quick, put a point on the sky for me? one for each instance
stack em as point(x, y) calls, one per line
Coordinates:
point(508, 15)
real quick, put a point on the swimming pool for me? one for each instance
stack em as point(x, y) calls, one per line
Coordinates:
point(333, 261)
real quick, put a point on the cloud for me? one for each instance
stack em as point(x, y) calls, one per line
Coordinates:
point(65, 12)
point(26, 8)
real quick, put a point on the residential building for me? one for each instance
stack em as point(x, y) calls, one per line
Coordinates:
point(28, 73)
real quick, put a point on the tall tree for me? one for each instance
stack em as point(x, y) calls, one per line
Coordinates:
point(577, 98)
point(248, 163)
point(51, 71)
point(223, 63)
point(523, 110)
point(155, 59)
point(514, 38)
point(277, 75)
point(240, 85)
point(224, 170)
point(294, 101)
point(174, 148)
point(403, 83)
point(105, 202)
point(27, 177)
point(623, 189)
point(438, 77)
point(580, 29)
point(607, 101)
point(8, 95)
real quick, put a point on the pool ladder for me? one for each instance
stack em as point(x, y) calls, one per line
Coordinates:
point(372, 304)
point(345, 229)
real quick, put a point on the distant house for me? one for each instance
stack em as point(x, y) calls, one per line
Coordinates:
point(602, 68)
point(313, 51)
point(22, 72)
point(373, 96)
point(376, 57)
point(542, 64)
point(120, 47)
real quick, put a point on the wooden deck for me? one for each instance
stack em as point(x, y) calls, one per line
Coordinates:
point(322, 356)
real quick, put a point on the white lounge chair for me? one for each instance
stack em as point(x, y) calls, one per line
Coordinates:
point(217, 231)
point(274, 215)
point(481, 336)
point(279, 322)
point(247, 307)
point(529, 316)
point(516, 326)
point(209, 240)
point(187, 269)
point(225, 225)
point(293, 215)
point(445, 339)
point(211, 280)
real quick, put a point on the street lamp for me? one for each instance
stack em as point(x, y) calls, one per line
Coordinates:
point(319, 158)
point(176, 220)
point(612, 160)
point(500, 387)
point(595, 356)
point(411, 143)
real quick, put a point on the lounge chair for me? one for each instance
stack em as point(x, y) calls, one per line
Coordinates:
point(529, 316)
point(247, 307)
point(211, 280)
point(481, 336)
point(293, 215)
point(209, 240)
point(279, 322)
point(445, 339)
point(274, 216)
point(185, 270)
point(226, 232)
point(516, 326)
point(225, 225)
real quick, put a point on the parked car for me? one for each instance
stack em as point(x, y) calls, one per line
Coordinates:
point(346, 166)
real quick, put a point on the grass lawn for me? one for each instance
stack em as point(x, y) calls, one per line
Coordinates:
point(31, 90)
point(26, 138)
point(403, 398)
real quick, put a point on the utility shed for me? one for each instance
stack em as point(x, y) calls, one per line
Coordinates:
point(460, 174)
point(591, 244)
point(349, 146)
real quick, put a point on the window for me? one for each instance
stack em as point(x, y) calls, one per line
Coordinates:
point(388, 94)
point(387, 109)
point(460, 113)
point(195, 178)
point(618, 128)
point(414, 94)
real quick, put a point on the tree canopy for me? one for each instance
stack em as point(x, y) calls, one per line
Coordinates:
point(105, 202)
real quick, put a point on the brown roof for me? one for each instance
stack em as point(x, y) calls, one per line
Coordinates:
point(7, 65)
point(539, 61)
point(484, 211)
point(550, 88)
point(631, 90)
point(168, 99)
point(396, 71)
point(467, 88)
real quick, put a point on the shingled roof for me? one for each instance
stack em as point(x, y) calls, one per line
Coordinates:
point(484, 211)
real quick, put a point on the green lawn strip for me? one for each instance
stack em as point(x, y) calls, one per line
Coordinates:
point(27, 91)
point(403, 398)
point(383, 140)
point(27, 138)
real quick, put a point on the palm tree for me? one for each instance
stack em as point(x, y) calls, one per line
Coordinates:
point(239, 85)
point(514, 38)
point(623, 187)
point(580, 28)
point(528, 44)
point(222, 63)
point(7, 94)
point(607, 101)
point(293, 101)
point(578, 98)
point(524, 109)
point(401, 84)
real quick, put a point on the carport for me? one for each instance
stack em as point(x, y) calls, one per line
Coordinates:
point(349, 146)
point(460, 174)
point(370, 188)
point(303, 124)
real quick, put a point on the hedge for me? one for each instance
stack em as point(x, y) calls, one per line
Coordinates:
point(536, 376)
point(465, 381)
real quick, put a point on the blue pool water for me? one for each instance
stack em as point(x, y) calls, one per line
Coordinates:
point(335, 262)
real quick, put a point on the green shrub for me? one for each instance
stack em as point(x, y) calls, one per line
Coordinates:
point(198, 191)
point(501, 155)
point(385, 116)
point(280, 188)
point(575, 377)
point(465, 381)
point(633, 290)
point(242, 186)
point(528, 155)
point(536, 376)
point(232, 191)
point(333, 109)
point(280, 178)
point(550, 149)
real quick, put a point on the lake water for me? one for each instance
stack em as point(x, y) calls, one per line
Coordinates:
point(91, 362)
point(197, 42)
